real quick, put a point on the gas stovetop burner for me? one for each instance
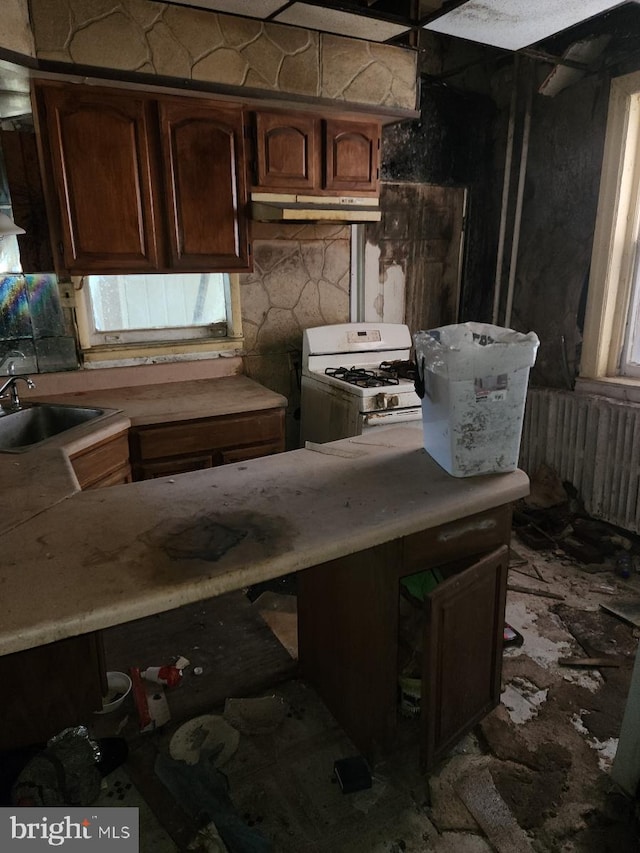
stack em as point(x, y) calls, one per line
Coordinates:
point(400, 369)
point(361, 377)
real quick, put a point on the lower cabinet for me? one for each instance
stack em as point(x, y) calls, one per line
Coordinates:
point(161, 450)
point(348, 632)
point(105, 463)
point(50, 688)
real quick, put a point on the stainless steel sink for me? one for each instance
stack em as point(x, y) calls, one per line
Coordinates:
point(34, 423)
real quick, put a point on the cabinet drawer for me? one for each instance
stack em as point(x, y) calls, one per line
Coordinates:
point(151, 470)
point(242, 454)
point(226, 432)
point(476, 534)
point(97, 463)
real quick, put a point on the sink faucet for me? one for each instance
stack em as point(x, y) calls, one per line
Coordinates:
point(10, 390)
point(9, 357)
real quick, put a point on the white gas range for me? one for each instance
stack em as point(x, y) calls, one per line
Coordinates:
point(356, 376)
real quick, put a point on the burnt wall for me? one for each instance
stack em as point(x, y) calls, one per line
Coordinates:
point(452, 145)
point(558, 220)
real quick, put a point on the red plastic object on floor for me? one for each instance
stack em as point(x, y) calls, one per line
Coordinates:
point(168, 675)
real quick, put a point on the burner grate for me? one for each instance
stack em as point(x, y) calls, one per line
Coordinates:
point(361, 377)
point(400, 369)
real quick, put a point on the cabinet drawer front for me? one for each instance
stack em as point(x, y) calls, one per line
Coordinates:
point(475, 534)
point(242, 454)
point(152, 470)
point(226, 432)
point(98, 462)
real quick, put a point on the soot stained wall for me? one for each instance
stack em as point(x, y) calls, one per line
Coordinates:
point(451, 145)
point(558, 221)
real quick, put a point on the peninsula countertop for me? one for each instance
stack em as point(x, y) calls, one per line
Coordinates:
point(101, 558)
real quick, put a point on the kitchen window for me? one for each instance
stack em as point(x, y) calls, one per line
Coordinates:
point(125, 312)
point(611, 346)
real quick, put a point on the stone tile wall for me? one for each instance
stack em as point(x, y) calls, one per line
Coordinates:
point(194, 44)
point(302, 273)
point(15, 32)
point(300, 279)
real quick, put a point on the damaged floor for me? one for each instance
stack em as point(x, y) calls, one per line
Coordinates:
point(533, 775)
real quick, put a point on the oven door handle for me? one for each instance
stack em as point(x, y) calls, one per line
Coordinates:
point(389, 417)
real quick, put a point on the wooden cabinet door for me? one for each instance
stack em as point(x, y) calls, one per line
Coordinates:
point(99, 144)
point(352, 153)
point(50, 688)
point(203, 165)
point(463, 645)
point(104, 464)
point(287, 151)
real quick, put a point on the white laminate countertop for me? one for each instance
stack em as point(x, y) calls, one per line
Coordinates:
point(34, 480)
point(101, 558)
point(179, 401)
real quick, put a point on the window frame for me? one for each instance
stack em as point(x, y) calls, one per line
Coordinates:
point(169, 346)
point(615, 238)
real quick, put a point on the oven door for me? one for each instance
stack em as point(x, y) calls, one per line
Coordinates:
point(392, 417)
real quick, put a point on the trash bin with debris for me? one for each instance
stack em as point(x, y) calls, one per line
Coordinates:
point(473, 379)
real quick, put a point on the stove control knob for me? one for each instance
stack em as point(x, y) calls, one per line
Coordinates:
point(387, 401)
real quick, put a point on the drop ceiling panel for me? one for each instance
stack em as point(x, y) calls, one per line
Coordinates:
point(514, 24)
point(247, 8)
point(341, 23)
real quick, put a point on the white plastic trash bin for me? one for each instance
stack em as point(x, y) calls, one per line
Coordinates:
point(475, 378)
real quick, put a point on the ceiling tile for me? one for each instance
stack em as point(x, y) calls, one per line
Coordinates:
point(246, 8)
point(341, 23)
point(514, 24)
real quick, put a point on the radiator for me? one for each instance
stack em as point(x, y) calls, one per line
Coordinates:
point(592, 442)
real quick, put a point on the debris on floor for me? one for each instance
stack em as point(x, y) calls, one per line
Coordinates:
point(257, 716)
point(209, 733)
point(202, 791)
point(480, 796)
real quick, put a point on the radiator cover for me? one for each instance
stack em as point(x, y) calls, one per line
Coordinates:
point(591, 441)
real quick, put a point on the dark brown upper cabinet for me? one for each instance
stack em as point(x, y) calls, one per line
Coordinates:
point(141, 182)
point(287, 153)
point(204, 179)
point(351, 156)
point(297, 152)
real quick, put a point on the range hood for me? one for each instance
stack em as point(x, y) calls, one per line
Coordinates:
point(276, 207)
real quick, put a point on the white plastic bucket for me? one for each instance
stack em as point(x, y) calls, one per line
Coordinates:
point(475, 379)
